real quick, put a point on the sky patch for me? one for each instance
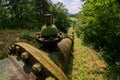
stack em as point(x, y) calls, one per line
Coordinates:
point(73, 6)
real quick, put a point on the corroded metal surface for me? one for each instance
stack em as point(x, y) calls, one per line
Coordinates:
point(43, 58)
point(49, 35)
point(49, 41)
point(25, 61)
point(65, 46)
point(12, 69)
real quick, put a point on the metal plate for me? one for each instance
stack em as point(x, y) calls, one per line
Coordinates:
point(44, 59)
point(12, 69)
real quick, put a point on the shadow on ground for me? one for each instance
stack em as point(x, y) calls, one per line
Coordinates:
point(69, 66)
point(113, 73)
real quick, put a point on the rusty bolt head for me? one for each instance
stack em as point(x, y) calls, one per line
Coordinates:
point(36, 67)
point(17, 47)
point(50, 78)
point(25, 55)
point(12, 46)
point(9, 49)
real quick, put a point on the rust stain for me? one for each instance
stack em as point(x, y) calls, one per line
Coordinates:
point(42, 58)
point(13, 77)
point(11, 70)
point(65, 46)
point(25, 76)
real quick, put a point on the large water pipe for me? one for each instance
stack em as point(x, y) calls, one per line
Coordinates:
point(37, 60)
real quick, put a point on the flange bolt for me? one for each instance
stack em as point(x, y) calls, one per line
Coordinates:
point(25, 55)
point(36, 67)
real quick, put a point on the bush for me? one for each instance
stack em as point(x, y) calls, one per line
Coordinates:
point(99, 24)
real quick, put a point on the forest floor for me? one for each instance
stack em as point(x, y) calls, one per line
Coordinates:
point(85, 63)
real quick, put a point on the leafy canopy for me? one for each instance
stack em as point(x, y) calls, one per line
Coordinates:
point(99, 24)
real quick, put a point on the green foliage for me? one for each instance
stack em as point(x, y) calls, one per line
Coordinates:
point(49, 31)
point(60, 14)
point(22, 13)
point(99, 24)
point(29, 14)
point(26, 36)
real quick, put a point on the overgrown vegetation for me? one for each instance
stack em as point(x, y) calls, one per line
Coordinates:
point(29, 14)
point(9, 37)
point(60, 14)
point(85, 64)
point(99, 25)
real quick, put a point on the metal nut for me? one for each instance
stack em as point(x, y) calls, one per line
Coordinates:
point(12, 46)
point(17, 47)
point(25, 55)
point(9, 49)
point(50, 78)
point(36, 67)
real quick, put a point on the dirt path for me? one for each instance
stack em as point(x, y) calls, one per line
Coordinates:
point(9, 36)
point(87, 65)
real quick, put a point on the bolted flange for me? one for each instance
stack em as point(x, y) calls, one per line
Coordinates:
point(36, 67)
point(24, 55)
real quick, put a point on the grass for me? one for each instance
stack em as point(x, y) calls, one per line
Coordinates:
point(86, 64)
point(9, 37)
point(73, 18)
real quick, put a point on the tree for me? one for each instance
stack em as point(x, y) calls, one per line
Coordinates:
point(4, 12)
point(22, 13)
point(30, 14)
point(60, 14)
point(42, 8)
point(99, 24)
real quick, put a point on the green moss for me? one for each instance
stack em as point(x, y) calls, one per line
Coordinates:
point(3, 55)
point(49, 30)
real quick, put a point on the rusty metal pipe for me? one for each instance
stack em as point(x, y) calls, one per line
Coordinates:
point(44, 58)
point(65, 46)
